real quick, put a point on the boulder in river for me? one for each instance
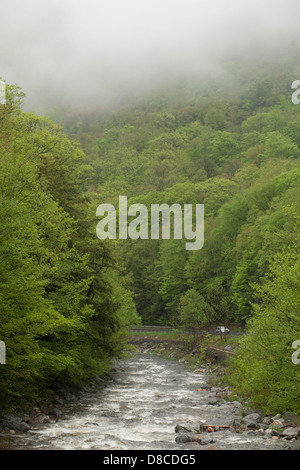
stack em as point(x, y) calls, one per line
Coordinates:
point(290, 433)
point(55, 412)
point(182, 429)
point(252, 420)
point(183, 438)
point(188, 437)
point(40, 419)
point(15, 423)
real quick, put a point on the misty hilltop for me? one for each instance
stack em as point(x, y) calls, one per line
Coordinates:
point(82, 53)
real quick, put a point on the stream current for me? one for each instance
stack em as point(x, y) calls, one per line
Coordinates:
point(139, 409)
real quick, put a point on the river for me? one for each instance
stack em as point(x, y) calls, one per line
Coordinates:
point(139, 409)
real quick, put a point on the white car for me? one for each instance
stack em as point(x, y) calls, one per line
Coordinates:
point(222, 329)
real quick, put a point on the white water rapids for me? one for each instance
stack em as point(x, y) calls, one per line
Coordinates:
point(138, 410)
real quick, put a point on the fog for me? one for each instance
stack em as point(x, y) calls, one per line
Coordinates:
point(97, 51)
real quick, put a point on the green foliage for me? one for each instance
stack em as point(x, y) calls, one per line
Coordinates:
point(67, 299)
point(60, 314)
point(263, 371)
point(238, 154)
point(193, 311)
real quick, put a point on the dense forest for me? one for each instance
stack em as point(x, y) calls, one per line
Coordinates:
point(64, 307)
point(67, 297)
point(237, 152)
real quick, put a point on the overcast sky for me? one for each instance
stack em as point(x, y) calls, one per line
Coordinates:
point(98, 49)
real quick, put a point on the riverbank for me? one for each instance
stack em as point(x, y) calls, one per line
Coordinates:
point(48, 412)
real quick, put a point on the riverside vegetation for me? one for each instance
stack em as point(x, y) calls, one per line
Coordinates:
point(67, 298)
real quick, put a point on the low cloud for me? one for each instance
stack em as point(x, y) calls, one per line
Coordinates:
point(80, 52)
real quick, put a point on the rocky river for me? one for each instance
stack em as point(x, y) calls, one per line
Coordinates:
point(151, 403)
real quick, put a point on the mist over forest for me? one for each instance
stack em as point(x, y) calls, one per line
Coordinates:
point(100, 53)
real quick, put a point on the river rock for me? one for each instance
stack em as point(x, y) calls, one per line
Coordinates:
point(15, 423)
point(290, 433)
point(206, 440)
point(58, 400)
point(267, 420)
point(275, 432)
point(182, 438)
point(278, 423)
point(189, 437)
point(252, 420)
point(55, 412)
point(182, 429)
point(40, 419)
point(274, 418)
point(213, 401)
point(216, 389)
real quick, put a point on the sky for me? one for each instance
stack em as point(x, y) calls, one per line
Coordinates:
point(98, 50)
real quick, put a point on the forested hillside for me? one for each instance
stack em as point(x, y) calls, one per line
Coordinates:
point(236, 150)
point(63, 308)
point(67, 297)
